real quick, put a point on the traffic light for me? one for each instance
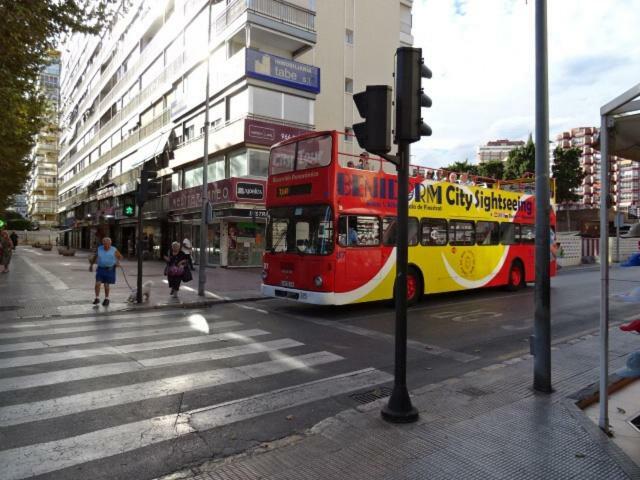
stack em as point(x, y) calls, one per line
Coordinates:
point(128, 210)
point(410, 96)
point(144, 188)
point(374, 105)
point(2, 223)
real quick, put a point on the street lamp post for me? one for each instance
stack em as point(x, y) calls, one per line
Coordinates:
point(542, 315)
point(202, 268)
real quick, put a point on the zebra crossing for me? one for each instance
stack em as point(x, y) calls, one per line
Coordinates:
point(84, 395)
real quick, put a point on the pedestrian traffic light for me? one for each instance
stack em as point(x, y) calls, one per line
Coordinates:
point(128, 210)
point(374, 105)
point(143, 188)
point(410, 96)
point(2, 223)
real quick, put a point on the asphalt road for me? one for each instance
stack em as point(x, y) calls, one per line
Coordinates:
point(140, 395)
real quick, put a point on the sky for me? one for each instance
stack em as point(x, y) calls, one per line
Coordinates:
point(482, 55)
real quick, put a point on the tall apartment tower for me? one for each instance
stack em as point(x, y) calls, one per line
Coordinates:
point(41, 188)
point(135, 98)
point(497, 150)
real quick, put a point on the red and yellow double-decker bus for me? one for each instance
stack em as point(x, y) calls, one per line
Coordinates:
point(331, 228)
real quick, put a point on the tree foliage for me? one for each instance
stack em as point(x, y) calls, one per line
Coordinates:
point(461, 167)
point(29, 31)
point(567, 173)
point(521, 160)
point(492, 169)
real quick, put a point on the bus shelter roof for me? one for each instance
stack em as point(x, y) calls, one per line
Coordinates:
point(624, 124)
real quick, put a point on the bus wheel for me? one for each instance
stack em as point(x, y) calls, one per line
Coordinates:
point(516, 277)
point(414, 286)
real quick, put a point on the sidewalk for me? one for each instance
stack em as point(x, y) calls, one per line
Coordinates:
point(46, 283)
point(487, 424)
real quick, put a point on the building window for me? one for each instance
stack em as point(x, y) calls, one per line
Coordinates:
point(348, 37)
point(348, 85)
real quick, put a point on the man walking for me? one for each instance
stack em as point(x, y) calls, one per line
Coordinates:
point(108, 258)
point(14, 239)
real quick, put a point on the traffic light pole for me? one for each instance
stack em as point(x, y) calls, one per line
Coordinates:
point(399, 409)
point(139, 252)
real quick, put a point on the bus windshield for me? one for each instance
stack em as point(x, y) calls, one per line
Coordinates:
point(303, 230)
point(308, 153)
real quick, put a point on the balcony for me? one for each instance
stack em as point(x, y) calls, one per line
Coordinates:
point(297, 23)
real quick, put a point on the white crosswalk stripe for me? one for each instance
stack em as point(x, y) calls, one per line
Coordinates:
point(66, 342)
point(98, 374)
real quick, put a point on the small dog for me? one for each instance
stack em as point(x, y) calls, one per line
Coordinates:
point(146, 292)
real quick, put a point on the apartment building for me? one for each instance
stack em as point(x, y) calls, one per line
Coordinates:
point(497, 150)
point(624, 179)
point(135, 98)
point(41, 188)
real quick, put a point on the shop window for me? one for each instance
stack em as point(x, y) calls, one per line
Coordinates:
point(215, 169)
point(487, 233)
point(193, 177)
point(238, 164)
point(258, 163)
point(175, 182)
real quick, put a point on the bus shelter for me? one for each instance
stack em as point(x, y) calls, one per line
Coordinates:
point(619, 135)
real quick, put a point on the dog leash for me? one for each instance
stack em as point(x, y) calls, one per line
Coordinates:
point(124, 275)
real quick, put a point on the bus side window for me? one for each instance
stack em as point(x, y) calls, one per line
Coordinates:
point(509, 233)
point(412, 231)
point(358, 230)
point(342, 231)
point(487, 233)
point(461, 232)
point(527, 233)
point(434, 232)
point(389, 229)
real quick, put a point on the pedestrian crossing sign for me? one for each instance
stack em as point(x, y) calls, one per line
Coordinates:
point(128, 210)
point(2, 223)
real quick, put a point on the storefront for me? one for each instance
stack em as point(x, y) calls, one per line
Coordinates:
point(235, 233)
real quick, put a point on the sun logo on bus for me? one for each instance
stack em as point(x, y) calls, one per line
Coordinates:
point(467, 262)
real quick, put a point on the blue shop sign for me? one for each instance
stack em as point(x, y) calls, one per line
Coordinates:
point(283, 71)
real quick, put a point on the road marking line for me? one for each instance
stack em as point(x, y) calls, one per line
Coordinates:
point(207, 293)
point(54, 281)
point(109, 397)
point(29, 250)
point(94, 328)
point(255, 309)
point(56, 455)
point(66, 342)
point(423, 347)
point(105, 318)
point(104, 369)
point(227, 352)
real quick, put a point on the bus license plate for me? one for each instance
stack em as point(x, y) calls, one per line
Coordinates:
point(286, 283)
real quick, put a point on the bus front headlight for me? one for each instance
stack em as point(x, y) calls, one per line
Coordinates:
point(318, 281)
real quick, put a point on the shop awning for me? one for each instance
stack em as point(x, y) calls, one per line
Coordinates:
point(152, 148)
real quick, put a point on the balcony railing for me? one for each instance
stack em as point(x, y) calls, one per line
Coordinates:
point(276, 9)
point(140, 134)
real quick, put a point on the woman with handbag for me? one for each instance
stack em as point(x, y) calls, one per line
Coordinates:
point(176, 262)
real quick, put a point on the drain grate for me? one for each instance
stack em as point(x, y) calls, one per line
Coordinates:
point(635, 422)
point(371, 395)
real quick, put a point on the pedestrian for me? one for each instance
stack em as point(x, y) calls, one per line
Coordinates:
point(108, 258)
point(14, 239)
point(6, 247)
point(176, 263)
point(187, 249)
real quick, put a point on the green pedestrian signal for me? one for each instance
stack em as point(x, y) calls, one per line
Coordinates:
point(2, 223)
point(129, 210)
